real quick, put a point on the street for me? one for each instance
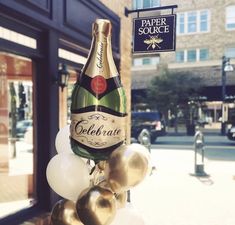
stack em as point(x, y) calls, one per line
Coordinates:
point(173, 195)
point(217, 147)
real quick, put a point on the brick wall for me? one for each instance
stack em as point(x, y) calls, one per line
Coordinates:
point(125, 49)
point(216, 40)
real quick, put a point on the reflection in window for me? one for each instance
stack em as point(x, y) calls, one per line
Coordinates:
point(203, 54)
point(73, 57)
point(179, 56)
point(192, 22)
point(230, 17)
point(18, 38)
point(180, 23)
point(192, 18)
point(203, 21)
point(141, 4)
point(146, 4)
point(65, 98)
point(17, 189)
point(230, 52)
point(137, 62)
point(192, 55)
point(144, 61)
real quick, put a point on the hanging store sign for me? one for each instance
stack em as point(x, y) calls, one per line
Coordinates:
point(154, 34)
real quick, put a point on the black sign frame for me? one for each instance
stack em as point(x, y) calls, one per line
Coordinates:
point(153, 44)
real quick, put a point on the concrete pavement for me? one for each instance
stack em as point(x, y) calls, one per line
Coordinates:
point(172, 196)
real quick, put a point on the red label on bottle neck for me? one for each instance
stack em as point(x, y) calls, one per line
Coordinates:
point(98, 84)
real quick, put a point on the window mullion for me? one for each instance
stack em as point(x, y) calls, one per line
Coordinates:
point(198, 21)
point(186, 22)
point(185, 55)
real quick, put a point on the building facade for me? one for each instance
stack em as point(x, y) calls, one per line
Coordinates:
point(205, 33)
point(38, 38)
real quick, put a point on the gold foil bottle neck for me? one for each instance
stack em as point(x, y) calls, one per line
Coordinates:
point(102, 26)
point(100, 60)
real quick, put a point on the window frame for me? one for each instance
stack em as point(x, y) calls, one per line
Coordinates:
point(199, 54)
point(186, 55)
point(201, 20)
point(146, 61)
point(139, 61)
point(226, 52)
point(42, 203)
point(198, 20)
point(179, 52)
point(193, 22)
point(179, 17)
point(232, 8)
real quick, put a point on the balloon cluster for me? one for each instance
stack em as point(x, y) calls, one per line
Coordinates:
point(95, 194)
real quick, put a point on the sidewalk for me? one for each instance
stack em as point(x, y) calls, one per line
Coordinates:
point(172, 196)
point(213, 129)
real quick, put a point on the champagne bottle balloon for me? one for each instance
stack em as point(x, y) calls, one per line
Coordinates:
point(98, 108)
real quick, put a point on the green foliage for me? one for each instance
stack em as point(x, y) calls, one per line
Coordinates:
point(172, 90)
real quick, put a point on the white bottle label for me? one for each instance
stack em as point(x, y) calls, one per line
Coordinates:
point(97, 130)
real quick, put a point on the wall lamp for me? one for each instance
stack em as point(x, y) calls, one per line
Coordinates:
point(63, 76)
point(226, 67)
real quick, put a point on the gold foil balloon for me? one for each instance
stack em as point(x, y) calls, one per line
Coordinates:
point(126, 167)
point(104, 184)
point(102, 164)
point(97, 175)
point(96, 206)
point(121, 199)
point(64, 213)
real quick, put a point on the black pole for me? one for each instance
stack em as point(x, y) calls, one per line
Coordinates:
point(223, 123)
point(172, 7)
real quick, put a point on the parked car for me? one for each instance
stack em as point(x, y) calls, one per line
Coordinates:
point(151, 122)
point(231, 133)
point(23, 126)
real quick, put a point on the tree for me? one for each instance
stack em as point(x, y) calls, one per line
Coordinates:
point(22, 102)
point(173, 91)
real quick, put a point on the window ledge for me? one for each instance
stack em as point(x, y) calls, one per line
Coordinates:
point(147, 67)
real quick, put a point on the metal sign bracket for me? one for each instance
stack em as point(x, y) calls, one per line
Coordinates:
point(172, 7)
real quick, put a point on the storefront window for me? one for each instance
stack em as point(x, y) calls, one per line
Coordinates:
point(17, 189)
point(65, 98)
point(18, 38)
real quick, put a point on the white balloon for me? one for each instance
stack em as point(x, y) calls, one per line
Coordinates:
point(62, 140)
point(127, 216)
point(68, 175)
